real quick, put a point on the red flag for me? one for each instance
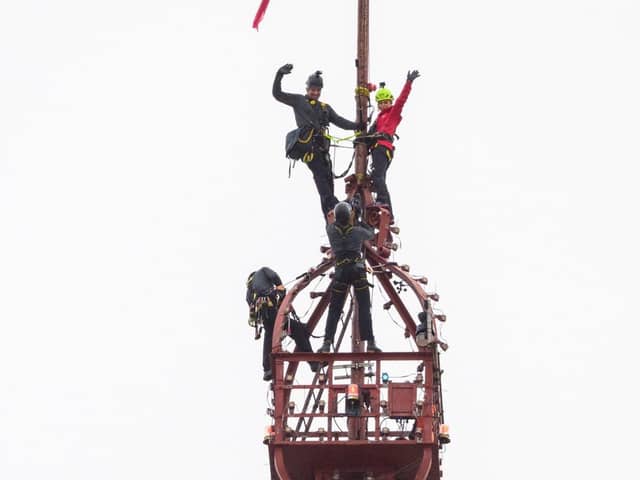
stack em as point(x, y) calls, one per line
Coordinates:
point(260, 13)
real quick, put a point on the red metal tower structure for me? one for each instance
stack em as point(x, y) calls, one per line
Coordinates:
point(339, 431)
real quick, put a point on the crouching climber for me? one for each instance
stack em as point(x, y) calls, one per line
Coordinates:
point(265, 292)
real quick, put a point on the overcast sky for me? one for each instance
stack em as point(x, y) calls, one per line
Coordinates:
point(142, 177)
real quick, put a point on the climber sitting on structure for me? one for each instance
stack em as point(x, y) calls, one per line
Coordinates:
point(382, 134)
point(308, 142)
point(264, 294)
point(346, 242)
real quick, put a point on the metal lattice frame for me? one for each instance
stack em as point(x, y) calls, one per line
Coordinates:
point(287, 440)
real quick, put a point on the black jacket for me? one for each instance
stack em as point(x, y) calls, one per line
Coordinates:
point(310, 112)
point(346, 242)
point(261, 283)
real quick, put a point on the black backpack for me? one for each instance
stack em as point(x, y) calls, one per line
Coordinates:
point(299, 142)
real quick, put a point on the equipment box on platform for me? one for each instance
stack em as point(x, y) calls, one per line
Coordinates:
point(402, 397)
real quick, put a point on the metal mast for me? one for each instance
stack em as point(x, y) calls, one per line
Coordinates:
point(356, 424)
point(362, 91)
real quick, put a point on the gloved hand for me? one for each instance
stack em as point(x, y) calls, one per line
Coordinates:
point(356, 203)
point(285, 69)
point(412, 75)
point(281, 292)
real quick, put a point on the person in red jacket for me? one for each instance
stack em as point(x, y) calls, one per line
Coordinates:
point(382, 132)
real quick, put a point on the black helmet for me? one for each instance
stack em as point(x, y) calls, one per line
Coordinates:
point(342, 213)
point(315, 80)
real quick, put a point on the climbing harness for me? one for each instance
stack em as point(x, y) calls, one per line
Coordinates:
point(346, 261)
point(372, 136)
point(303, 144)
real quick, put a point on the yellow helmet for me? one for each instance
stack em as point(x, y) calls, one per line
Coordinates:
point(383, 93)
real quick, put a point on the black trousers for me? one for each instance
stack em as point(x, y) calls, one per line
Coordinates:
point(346, 275)
point(320, 166)
point(380, 160)
point(297, 331)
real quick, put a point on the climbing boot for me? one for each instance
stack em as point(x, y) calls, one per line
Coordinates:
point(314, 366)
point(372, 347)
point(326, 347)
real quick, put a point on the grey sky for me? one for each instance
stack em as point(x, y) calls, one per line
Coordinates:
point(142, 177)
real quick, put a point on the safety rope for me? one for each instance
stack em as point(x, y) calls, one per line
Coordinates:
point(292, 164)
point(338, 140)
point(346, 170)
point(335, 143)
point(302, 275)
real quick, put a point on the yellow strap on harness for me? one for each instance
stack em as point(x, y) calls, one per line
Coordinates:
point(344, 261)
point(308, 139)
point(262, 302)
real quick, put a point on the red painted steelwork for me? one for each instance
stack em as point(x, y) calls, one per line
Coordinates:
point(285, 447)
point(307, 455)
